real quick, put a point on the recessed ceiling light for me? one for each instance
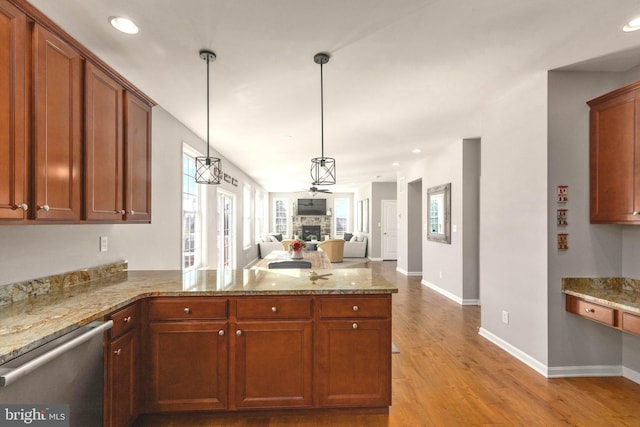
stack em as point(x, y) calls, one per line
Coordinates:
point(395, 164)
point(633, 25)
point(416, 150)
point(125, 25)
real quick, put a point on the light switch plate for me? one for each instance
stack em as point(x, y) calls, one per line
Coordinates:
point(104, 244)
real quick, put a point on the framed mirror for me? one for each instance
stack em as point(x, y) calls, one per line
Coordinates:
point(439, 214)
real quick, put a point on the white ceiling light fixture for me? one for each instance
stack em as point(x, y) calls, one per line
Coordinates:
point(208, 169)
point(633, 25)
point(323, 169)
point(416, 150)
point(123, 24)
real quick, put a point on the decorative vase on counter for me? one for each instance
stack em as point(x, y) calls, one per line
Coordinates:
point(295, 249)
point(296, 254)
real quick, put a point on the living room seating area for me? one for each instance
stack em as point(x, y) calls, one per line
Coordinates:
point(355, 245)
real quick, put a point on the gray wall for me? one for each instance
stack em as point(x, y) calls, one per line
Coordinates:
point(33, 251)
point(414, 223)
point(471, 219)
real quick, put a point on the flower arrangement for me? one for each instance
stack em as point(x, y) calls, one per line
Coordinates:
point(297, 245)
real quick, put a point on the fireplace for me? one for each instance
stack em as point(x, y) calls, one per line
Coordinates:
point(308, 230)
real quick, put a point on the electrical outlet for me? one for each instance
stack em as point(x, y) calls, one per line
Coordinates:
point(505, 317)
point(441, 274)
point(104, 244)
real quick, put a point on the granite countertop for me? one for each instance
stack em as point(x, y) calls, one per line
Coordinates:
point(617, 292)
point(29, 323)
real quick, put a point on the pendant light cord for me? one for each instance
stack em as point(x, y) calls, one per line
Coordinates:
point(208, 107)
point(321, 112)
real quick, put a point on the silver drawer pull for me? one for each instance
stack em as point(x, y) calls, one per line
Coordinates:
point(355, 326)
point(22, 206)
point(44, 208)
point(127, 319)
point(238, 332)
point(187, 310)
point(117, 352)
point(274, 309)
point(355, 308)
point(221, 332)
point(589, 310)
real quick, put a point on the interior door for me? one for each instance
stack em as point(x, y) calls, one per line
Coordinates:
point(389, 230)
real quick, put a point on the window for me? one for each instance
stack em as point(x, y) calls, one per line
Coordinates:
point(259, 215)
point(246, 216)
point(192, 213)
point(281, 216)
point(341, 215)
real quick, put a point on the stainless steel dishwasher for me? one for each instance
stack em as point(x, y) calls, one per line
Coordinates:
point(65, 371)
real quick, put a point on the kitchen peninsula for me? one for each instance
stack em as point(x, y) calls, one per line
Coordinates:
point(225, 340)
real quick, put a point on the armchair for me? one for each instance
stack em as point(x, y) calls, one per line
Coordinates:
point(334, 249)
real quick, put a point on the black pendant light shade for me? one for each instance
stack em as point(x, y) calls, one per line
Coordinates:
point(323, 169)
point(208, 169)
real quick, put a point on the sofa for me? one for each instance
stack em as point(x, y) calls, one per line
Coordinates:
point(272, 242)
point(355, 246)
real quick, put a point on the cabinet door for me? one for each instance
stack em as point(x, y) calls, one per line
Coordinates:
point(13, 114)
point(273, 364)
point(104, 175)
point(121, 402)
point(353, 363)
point(188, 370)
point(57, 127)
point(137, 190)
point(613, 168)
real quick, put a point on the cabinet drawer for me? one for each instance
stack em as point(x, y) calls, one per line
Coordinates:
point(274, 308)
point(631, 323)
point(591, 311)
point(187, 308)
point(124, 320)
point(355, 307)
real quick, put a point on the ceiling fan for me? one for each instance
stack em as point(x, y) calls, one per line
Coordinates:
point(313, 190)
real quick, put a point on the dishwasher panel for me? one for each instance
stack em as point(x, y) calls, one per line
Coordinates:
point(68, 370)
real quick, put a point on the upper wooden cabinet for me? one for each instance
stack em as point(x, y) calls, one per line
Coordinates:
point(60, 162)
point(14, 184)
point(117, 151)
point(57, 128)
point(615, 156)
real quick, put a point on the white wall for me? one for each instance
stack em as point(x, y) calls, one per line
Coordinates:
point(513, 212)
point(29, 252)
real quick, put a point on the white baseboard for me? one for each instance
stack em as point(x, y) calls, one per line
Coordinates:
point(375, 259)
point(584, 371)
point(449, 295)
point(630, 374)
point(408, 273)
point(514, 351)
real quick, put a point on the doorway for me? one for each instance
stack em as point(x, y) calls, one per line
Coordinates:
point(226, 230)
point(389, 230)
point(414, 227)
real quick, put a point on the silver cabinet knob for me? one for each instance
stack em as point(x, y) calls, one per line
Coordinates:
point(127, 319)
point(274, 309)
point(355, 326)
point(117, 352)
point(355, 308)
point(238, 332)
point(44, 208)
point(22, 206)
point(122, 212)
point(589, 310)
point(187, 310)
point(634, 213)
point(131, 212)
point(221, 332)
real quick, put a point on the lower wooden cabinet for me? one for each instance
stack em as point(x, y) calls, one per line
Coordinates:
point(123, 381)
point(269, 352)
point(122, 374)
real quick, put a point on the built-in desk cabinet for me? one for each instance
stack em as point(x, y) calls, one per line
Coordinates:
point(606, 315)
point(45, 79)
point(614, 163)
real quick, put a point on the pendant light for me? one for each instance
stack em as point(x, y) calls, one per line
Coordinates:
point(323, 169)
point(208, 169)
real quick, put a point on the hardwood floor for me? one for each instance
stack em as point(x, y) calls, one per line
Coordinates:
point(448, 375)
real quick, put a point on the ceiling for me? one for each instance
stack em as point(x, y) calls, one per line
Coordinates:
point(403, 74)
